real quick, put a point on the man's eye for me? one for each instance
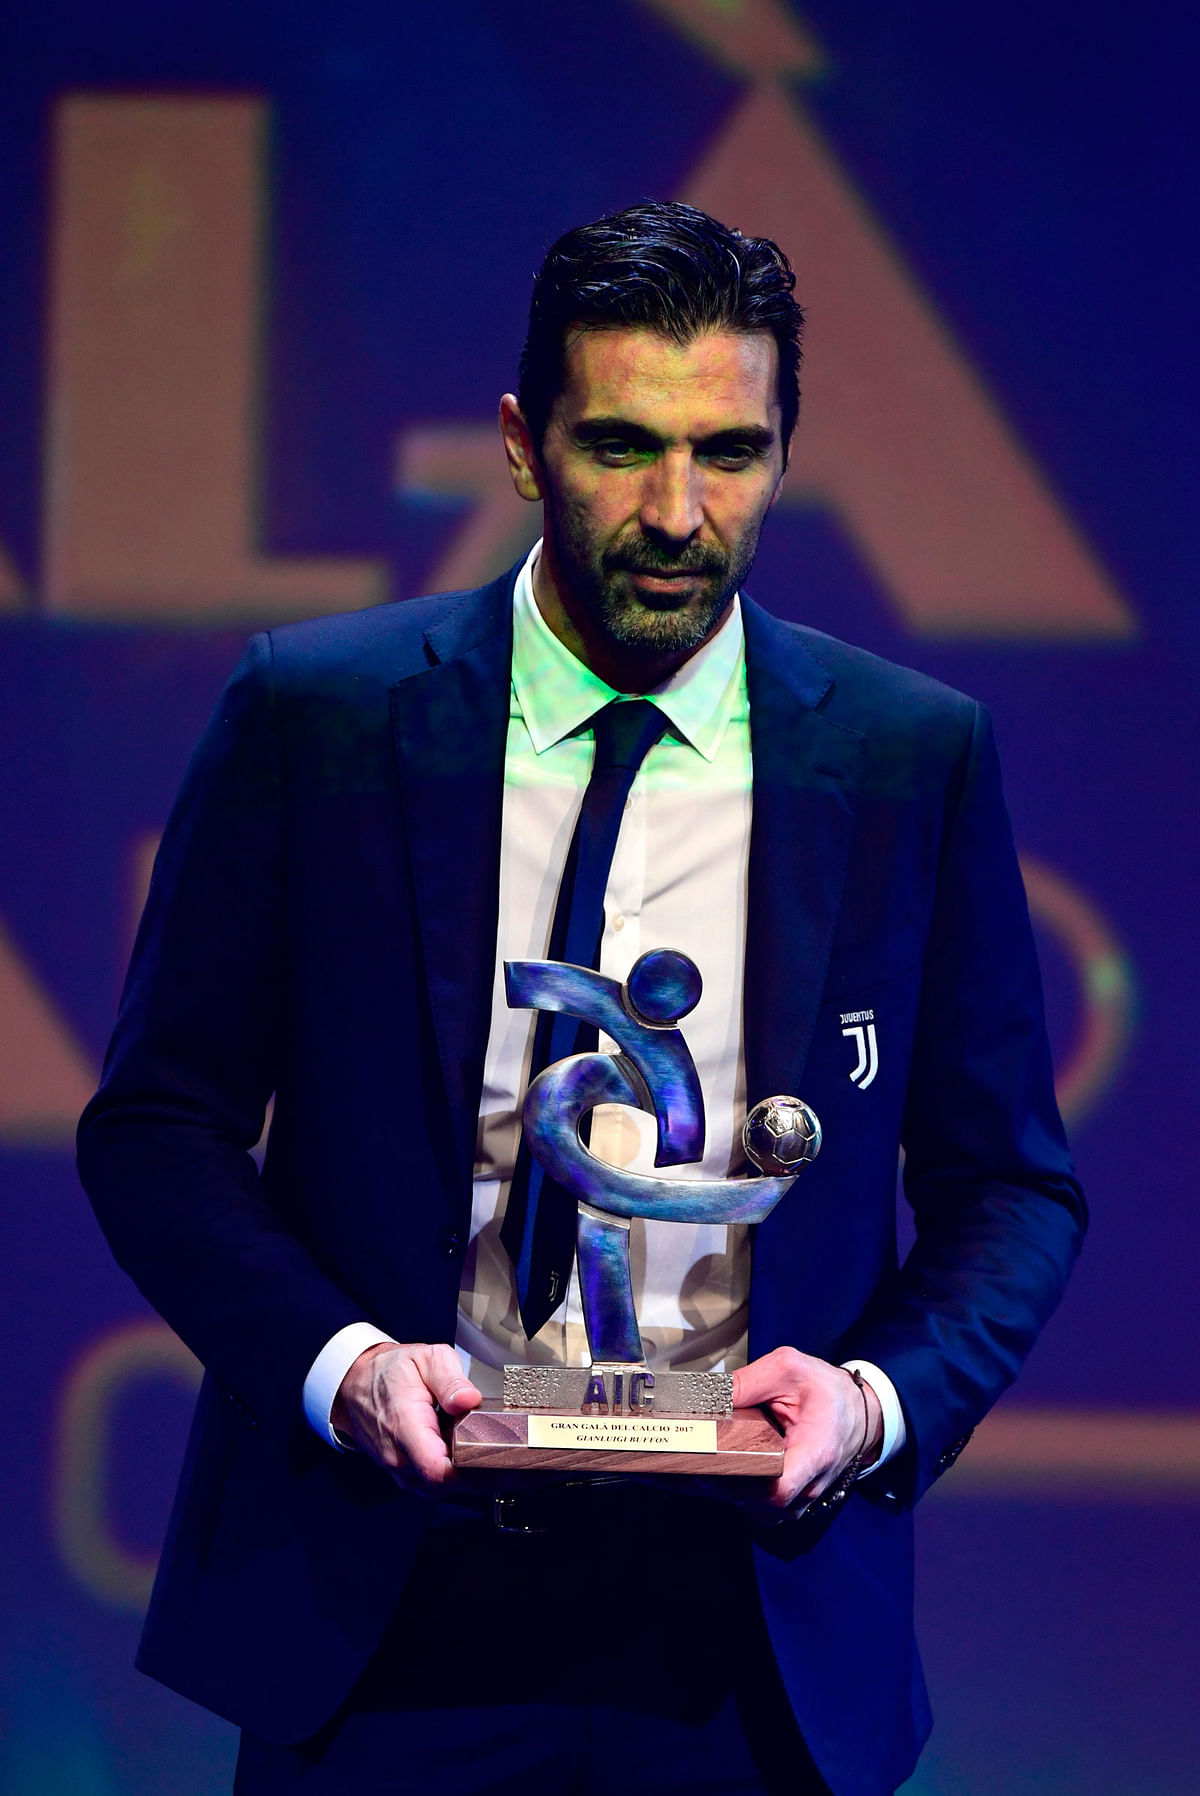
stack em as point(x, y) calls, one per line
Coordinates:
point(734, 455)
point(614, 450)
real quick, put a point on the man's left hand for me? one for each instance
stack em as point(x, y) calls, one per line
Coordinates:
point(825, 1423)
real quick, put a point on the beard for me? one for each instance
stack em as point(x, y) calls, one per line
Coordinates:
point(660, 623)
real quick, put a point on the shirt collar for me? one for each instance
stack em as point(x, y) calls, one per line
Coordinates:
point(557, 693)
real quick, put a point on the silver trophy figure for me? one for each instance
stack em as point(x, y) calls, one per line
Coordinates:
point(653, 1070)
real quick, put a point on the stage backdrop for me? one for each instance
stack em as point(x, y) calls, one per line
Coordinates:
point(265, 270)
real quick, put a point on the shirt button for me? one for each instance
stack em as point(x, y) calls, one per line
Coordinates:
point(618, 923)
point(448, 1242)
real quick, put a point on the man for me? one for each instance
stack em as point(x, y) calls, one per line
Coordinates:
point(378, 816)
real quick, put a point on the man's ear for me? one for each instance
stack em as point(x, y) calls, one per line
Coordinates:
point(523, 463)
point(782, 475)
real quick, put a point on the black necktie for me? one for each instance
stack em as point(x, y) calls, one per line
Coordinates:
point(538, 1230)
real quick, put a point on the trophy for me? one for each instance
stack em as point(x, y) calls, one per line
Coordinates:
point(617, 1414)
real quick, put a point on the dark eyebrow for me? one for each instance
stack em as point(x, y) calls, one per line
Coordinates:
point(746, 436)
point(595, 430)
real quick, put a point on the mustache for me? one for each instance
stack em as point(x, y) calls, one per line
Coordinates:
point(644, 558)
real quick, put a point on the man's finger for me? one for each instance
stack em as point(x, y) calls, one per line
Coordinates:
point(800, 1475)
point(809, 1463)
point(779, 1373)
point(417, 1435)
point(441, 1382)
point(451, 1389)
point(389, 1400)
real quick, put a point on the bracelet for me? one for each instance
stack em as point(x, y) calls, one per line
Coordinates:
point(839, 1490)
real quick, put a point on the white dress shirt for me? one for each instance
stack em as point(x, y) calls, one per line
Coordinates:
point(678, 880)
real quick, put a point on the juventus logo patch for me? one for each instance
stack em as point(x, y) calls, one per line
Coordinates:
point(860, 1024)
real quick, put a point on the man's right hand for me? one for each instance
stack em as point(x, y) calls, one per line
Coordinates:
point(387, 1406)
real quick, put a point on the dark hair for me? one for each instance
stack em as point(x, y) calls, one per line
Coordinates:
point(660, 266)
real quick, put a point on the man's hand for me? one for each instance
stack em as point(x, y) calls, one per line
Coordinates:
point(387, 1406)
point(821, 1411)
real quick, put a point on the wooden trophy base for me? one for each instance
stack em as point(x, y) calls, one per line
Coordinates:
point(493, 1438)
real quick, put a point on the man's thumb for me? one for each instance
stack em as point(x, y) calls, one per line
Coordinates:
point(451, 1388)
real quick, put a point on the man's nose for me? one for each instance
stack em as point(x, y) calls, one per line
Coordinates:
point(671, 504)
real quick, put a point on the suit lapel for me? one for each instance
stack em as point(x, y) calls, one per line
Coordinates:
point(806, 770)
point(450, 724)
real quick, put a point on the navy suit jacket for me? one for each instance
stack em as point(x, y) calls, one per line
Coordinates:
point(322, 925)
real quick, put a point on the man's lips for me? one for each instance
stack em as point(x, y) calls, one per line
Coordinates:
point(670, 580)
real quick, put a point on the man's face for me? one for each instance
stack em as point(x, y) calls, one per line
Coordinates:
point(657, 468)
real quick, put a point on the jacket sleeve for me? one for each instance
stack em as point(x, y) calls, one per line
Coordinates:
point(164, 1146)
point(999, 1214)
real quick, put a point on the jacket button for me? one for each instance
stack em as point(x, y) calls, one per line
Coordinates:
point(951, 1453)
point(448, 1243)
point(241, 1409)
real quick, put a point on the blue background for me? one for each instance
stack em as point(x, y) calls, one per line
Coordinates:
point(1036, 171)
